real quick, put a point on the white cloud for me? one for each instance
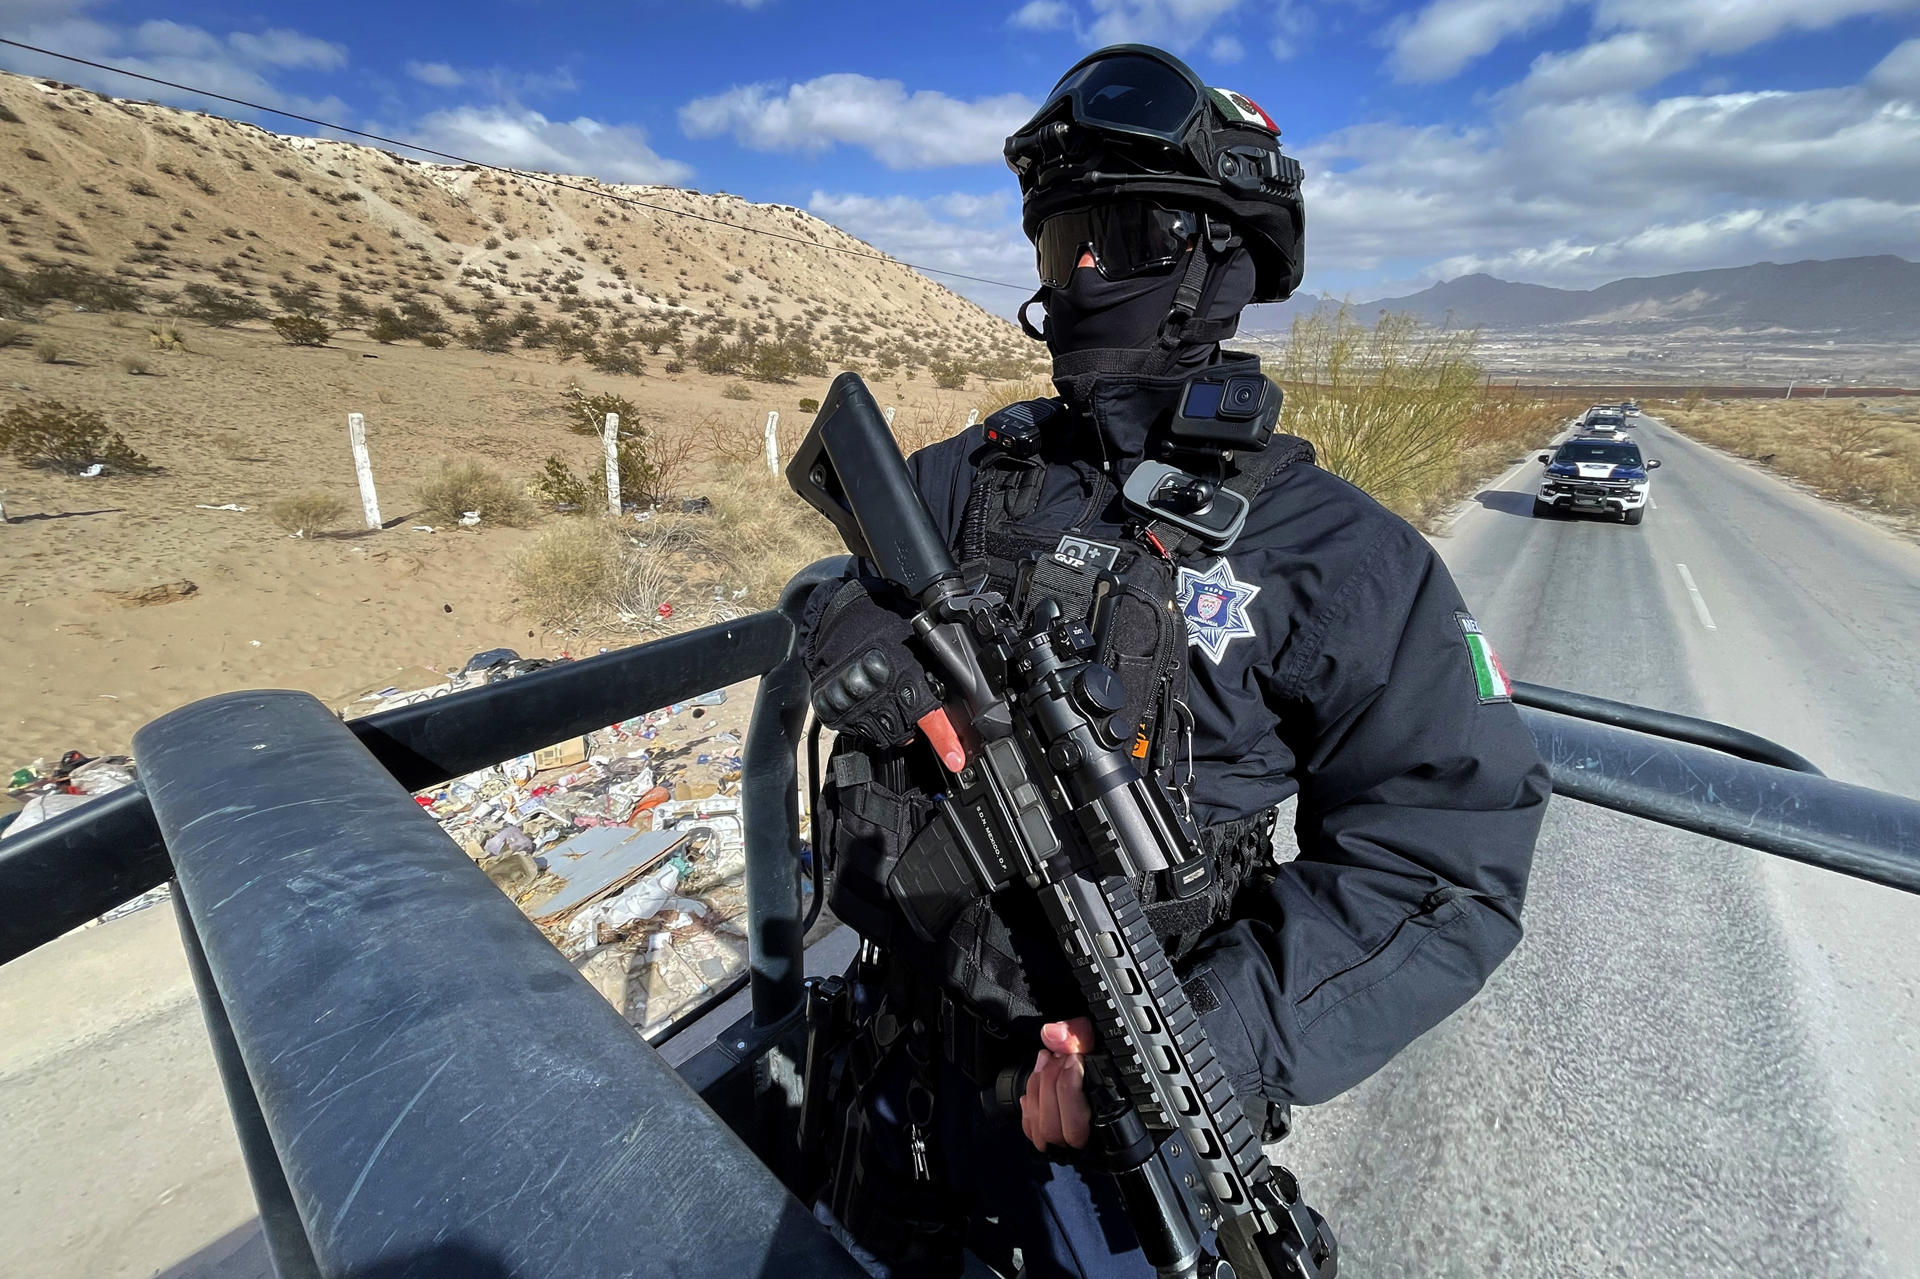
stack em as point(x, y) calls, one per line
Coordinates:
point(919, 130)
point(1040, 15)
point(1899, 72)
point(1577, 191)
point(1442, 38)
point(282, 48)
point(438, 74)
point(1178, 25)
point(975, 235)
point(1816, 229)
point(1226, 49)
point(1728, 26)
point(528, 140)
point(238, 65)
point(1619, 64)
point(1651, 38)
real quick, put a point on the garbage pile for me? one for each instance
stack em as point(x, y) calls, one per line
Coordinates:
point(74, 780)
point(624, 846)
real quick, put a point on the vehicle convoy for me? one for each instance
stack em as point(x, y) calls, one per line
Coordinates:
point(1599, 475)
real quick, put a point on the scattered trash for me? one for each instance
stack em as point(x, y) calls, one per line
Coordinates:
point(469, 518)
point(665, 610)
point(488, 660)
point(423, 528)
point(224, 506)
point(696, 506)
point(718, 697)
point(92, 471)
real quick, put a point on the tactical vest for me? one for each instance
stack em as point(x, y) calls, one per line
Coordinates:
point(1127, 590)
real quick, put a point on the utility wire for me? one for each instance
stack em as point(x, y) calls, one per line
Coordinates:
point(515, 173)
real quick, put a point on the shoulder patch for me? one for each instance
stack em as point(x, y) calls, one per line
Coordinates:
point(1489, 677)
point(1214, 603)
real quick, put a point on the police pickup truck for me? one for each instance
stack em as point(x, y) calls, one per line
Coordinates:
point(1603, 476)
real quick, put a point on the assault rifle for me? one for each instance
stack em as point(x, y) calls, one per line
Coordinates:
point(1043, 798)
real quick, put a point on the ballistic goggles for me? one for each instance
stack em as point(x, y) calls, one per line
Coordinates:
point(1127, 238)
point(1141, 92)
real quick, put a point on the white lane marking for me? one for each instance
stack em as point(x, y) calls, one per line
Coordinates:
point(1651, 503)
point(1699, 604)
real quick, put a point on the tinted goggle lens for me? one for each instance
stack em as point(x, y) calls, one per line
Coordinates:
point(1126, 240)
point(1128, 91)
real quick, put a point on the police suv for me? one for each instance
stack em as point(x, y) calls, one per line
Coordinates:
point(1604, 420)
point(1604, 476)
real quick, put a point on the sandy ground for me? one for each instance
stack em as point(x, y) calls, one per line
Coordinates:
point(241, 418)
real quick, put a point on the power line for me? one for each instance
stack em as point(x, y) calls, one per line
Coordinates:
point(515, 173)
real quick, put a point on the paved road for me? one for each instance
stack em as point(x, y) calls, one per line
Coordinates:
point(1699, 1064)
point(1701, 1061)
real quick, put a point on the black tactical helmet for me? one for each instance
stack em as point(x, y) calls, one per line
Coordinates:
point(1131, 123)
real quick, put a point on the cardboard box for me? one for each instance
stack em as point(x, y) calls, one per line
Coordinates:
point(561, 754)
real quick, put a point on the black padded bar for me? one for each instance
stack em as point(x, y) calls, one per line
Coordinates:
point(1805, 817)
point(1681, 728)
point(445, 1094)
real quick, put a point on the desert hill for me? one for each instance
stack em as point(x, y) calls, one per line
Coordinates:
point(194, 212)
point(145, 251)
point(1876, 298)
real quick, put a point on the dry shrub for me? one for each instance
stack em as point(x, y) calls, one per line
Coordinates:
point(1866, 454)
point(62, 437)
point(134, 365)
point(306, 514)
point(1385, 406)
point(462, 486)
point(762, 535)
point(567, 575)
point(166, 337)
point(998, 396)
point(11, 331)
point(301, 330)
point(47, 351)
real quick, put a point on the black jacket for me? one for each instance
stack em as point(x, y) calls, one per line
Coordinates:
point(1419, 800)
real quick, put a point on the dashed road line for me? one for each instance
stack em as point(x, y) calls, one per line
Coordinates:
point(1699, 604)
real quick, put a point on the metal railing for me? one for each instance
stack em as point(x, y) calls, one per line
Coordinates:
point(417, 1076)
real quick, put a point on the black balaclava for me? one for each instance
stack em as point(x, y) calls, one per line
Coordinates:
point(1098, 327)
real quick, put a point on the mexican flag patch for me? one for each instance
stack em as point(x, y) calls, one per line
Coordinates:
point(1489, 677)
point(1238, 108)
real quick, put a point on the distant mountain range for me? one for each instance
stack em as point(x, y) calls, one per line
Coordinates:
point(1872, 297)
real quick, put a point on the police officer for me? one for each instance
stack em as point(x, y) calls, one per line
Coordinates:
point(1278, 634)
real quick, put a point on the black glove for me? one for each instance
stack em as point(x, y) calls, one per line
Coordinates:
point(866, 679)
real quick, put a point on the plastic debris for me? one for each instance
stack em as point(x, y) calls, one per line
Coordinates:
point(665, 610)
point(92, 471)
point(224, 506)
point(469, 518)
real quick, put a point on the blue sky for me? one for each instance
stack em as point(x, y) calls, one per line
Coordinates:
point(1563, 142)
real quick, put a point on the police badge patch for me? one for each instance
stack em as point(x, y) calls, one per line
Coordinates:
point(1214, 603)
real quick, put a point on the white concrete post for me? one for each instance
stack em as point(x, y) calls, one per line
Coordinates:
point(610, 440)
point(773, 443)
point(973, 415)
point(889, 415)
point(363, 467)
point(1790, 386)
